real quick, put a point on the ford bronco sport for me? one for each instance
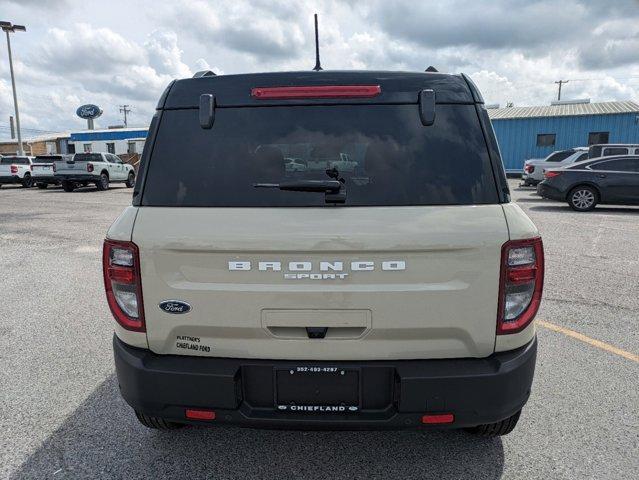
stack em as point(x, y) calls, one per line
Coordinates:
point(385, 282)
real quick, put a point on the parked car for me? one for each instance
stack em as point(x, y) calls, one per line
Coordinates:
point(275, 297)
point(609, 149)
point(295, 165)
point(100, 169)
point(43, 173)
point(16, 169)
point(613, 180)
point(533, 169)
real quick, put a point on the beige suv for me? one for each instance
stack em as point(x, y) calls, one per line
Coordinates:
point(397, 293)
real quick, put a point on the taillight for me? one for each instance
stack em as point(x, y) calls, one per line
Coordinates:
point(89, 167)
point(529, 168)
point(121, 268)
point(551, 174)
point(520, 285)
point(322, 91)
point(14, 169)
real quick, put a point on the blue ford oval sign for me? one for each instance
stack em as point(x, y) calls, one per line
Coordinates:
point(174, 306)
point(88, 111)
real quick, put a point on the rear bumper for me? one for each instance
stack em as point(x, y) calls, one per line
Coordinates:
point(10, 179)
point(393, 394)
point(550, 192)
point(76, 177)
point(45, 179)
point(528, 179)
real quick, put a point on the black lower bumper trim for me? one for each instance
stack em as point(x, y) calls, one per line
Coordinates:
point(79, 178)
point(49, 179)
point(393, 394)
point(10, 180)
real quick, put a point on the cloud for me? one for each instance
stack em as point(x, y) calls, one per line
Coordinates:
point(164, 55)
point(614, 43)
point(513, 49)
point(502, 24)
point(84, 64)
point(265, 30)
point(85, 49)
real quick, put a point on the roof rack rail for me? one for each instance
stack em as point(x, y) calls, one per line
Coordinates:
point(204, 73)
point(431, 69)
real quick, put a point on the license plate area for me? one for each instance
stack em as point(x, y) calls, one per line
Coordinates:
point(317, 389)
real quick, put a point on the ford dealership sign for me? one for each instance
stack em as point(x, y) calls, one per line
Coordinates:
point(88, 111)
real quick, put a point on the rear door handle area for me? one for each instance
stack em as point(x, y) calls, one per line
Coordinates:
point(316, 332)
point(316, 324)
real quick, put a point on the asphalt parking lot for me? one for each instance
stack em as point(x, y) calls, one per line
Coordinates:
point(61, 415)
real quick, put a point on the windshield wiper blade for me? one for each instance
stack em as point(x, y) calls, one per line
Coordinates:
point(322, 186)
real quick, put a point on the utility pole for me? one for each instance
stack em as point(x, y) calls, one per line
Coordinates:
point(7, 27)
point(560, 83)
point(125, 110)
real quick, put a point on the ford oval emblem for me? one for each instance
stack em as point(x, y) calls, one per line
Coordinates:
point(88, 111)
point(174, 306)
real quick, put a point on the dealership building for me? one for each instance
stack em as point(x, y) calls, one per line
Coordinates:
point(120, 141)
point(535, 132)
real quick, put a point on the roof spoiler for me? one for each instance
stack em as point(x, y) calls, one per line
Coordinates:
point(204, 73)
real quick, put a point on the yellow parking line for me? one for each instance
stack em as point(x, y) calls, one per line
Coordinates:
point(590, 341)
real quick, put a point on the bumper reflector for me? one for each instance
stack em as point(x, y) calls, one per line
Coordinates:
point(438, 418)
point(196, 414)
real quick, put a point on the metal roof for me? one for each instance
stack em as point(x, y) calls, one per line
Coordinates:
point(602, 108)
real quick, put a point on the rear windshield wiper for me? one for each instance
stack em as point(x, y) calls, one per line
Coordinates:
point(326, 186)
point(334, 189)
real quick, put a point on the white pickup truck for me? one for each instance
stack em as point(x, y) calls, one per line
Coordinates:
point(100, 169)
point(14, 169)
point(42, 170)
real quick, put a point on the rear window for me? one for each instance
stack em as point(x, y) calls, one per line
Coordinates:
point(14, 161)
point(559, 156)
point(47, 158)
point(615, 151)
point(87, 157)
point(383, 152)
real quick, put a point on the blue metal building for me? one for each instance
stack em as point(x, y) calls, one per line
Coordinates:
point(535, 132)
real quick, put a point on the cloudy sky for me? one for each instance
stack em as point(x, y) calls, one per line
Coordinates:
point(125, 52)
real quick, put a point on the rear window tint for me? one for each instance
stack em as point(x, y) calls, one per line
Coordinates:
point(87, 157)
point(14, 161)
point(383, 152)
point(47, 158)
point(559, 156)
point(615, 151)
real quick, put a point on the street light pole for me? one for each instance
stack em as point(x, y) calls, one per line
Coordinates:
point(7, 27)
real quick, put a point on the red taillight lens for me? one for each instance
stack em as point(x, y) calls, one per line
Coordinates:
point(14, 169)
point(197, 414)
point(121, 269)
point(551, 174)
point(324, 91)
point(529, 169)
point(89, 167)
point(438, 418)
point(521, 284)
